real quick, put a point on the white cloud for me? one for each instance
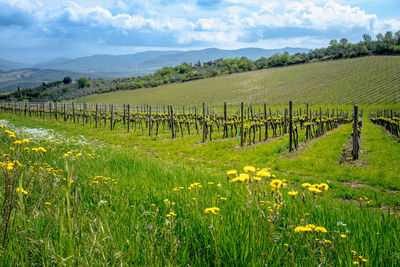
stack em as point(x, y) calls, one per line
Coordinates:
point(235, 23)
point(212, 24)
point(387, 25)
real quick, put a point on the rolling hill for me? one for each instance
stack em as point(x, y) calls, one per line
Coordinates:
point(147, 62)
point(6, 65)
point(367, 80)
point(27, 78)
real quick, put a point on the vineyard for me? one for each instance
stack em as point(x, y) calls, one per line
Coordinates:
point(247, 124)
point(88, 184)
point(366, 80)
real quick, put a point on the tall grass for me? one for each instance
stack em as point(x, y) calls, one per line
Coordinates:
point(92, 205)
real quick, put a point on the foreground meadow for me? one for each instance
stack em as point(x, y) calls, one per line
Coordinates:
point(80, 196)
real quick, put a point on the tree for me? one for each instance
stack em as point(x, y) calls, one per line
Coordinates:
point(67, 80)
point(83, 82)
point(333, 42)
point(183, 68)
point(397, 35)
point(343, 41)
point(367, 38)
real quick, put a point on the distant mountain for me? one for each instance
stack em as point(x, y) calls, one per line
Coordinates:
point(147, 62)
point(6, 65)
point(27, 78)
point(45, 64)
point(107, 63)
point(214, 53)
point(13, 75)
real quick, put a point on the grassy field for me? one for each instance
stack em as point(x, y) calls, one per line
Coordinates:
point(155, 201)
point(367, 80)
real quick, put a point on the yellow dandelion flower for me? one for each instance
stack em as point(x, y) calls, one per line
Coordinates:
point(213, 210)
point(323, 186)
point(276, 183)
point(312, 226)
point(343, 235)
point(231, 172)
point(320, 229)
point(20, 189)
point(293, 193)
point(249, 169)
point(264, 173)
point(47, 203)
point(314, 190)
point(302, 229)
point(243, 177)
point(41, 149)
point(306, 185)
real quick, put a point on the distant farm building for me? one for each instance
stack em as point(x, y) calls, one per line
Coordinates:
point(213, 63)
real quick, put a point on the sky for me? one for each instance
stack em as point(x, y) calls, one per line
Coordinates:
point(32, 31)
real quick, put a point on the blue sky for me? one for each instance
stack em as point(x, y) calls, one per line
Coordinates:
point(38, 30)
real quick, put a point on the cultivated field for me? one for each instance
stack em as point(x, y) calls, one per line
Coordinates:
point(367, 80)
point(80, 195)
point(87, 185)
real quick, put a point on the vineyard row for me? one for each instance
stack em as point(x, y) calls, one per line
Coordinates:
point(247, 125)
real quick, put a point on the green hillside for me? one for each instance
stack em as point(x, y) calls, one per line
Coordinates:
point(366, 80)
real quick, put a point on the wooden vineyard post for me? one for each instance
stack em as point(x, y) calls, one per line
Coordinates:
point(355, 134)
point(307, 116)
point(225, 122)
point(241, 125)
point(50, 114)
point(149, 120)
point(204, 123)
point(320, 120)
point(73, 111)
point(172, 122)
point(26, 106)
point(65, 113)
point(111, 117)
point(266, 122)
point(105, 115)
point(129, 118)
point(83, 114)
point(124, 116)
point(97, 114)
point(44, 110)
point(290, 126)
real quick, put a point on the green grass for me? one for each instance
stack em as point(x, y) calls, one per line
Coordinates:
point(128, 230)
point(367, 80)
